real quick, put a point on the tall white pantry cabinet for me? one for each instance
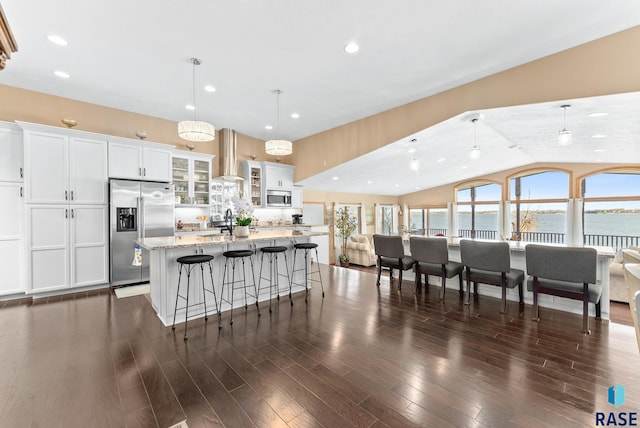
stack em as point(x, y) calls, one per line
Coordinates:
point(66, 197)
point(12, 266)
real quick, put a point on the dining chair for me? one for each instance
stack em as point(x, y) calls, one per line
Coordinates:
point(432, 258)
point(565, 272)
point(490, 263)
point(390, 252)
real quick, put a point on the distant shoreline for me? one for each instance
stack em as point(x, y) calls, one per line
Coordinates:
point(603, 211)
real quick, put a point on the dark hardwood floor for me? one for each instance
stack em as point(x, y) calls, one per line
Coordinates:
point(364, 356)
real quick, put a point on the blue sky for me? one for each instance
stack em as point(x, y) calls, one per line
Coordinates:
point(556, 185)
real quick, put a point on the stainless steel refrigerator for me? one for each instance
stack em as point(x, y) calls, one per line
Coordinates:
point(137, 210)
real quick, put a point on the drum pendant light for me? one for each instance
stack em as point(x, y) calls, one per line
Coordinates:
point(196, 130)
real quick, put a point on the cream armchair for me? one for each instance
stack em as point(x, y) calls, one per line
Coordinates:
point(617, 284)
point(360, 251)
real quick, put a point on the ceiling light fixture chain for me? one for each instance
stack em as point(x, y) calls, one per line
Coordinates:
point(195, 62)
point(278, 147)
point(195, 130)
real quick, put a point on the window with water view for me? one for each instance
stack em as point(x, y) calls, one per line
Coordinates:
point(611, 209)
point(478, 211)
point(539, 207)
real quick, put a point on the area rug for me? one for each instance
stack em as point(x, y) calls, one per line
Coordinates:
point(132, 290)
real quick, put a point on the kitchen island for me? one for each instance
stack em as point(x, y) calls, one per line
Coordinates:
point(163, 252)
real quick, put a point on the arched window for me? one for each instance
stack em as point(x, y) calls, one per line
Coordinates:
point(611, 208)
point(538, 202)
point(479, 210)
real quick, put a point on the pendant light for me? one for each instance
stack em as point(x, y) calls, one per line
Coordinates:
point(278, 147)
point(564, 135)
point(196, 130)
point(474, 151)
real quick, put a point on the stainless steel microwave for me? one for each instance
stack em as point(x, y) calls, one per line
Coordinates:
point(278, 198)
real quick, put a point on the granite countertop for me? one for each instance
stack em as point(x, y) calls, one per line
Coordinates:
point(184, 241)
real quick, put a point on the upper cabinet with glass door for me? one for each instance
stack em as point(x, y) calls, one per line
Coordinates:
point(191, 174)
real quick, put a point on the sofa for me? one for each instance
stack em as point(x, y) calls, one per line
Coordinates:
point(360, 250)
point(617, 284)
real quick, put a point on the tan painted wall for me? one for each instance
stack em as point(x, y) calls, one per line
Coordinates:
point(606, 66)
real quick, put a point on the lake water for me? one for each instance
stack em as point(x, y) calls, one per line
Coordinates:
point(624, 224)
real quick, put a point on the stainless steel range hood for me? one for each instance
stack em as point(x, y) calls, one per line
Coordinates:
point(228, 160)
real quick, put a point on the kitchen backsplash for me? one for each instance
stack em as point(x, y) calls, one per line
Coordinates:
point(265, 216)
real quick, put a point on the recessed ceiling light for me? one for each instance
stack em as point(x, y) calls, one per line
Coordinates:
point(599, 136)
point(295, 115)
point(190, 107)
point(598, 114)
point(209, 88)
point(441, 160)
point(269, 127)
point(397, 185)
point(417, 187)
point(599, 150)
point(57, 40)
point(335, 178)
point(463, 167)
point(369, 182)
point(411, 150)
point(61, 74)
point(351, 48)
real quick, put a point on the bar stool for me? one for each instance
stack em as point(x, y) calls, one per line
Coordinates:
point(308, 276)
point(188, 263)
point(274, 274)
point(233, 257)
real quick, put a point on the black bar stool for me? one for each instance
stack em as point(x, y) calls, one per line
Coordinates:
point(274, 274)
point(188, 263)
point(233, 257)
point(308, 275)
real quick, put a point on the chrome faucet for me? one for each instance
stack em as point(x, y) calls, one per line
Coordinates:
point(228, 218)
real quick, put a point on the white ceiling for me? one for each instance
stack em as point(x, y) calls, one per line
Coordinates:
point(507, 137)
point(134, 56)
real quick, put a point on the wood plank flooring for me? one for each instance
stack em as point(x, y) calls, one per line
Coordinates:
point(363, 356)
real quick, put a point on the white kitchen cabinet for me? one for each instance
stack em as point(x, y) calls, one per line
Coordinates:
point(278, 176)
point(139, 160)
point(66, 246)
point(254, 182)
point(11, 238)
point(61, 169)
point(296, 197)
point(11, 152)
point(191, 175)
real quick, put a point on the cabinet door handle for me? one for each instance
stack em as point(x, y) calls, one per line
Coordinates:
point(72, 195)
point(140, 171)
point(73, 215)
point(144, 172)
point(21, 173)
point(66, 213)
point(21, 191)
point(66, 195)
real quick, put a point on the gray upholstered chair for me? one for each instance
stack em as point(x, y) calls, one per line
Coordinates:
point(565, 272)
point(432, 258)
point(390, 252)
point(490, 263)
